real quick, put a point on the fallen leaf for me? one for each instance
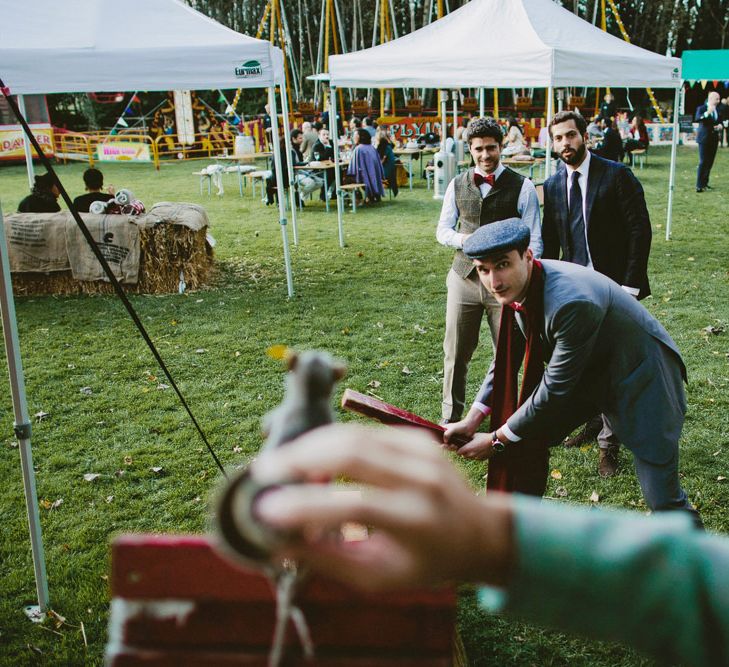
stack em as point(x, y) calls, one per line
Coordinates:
point(120, 473)
point(156, 469)
point(716, 453)
point(237, 354)
point(715, 331)
point(162, 386)
point(87, 390)
point(346, 331)
point(691, 259)
point(406, 371)
point(374, 384)
point(720, 478)
point(40, 416)
point(383, 364)
point(594, 497)
point(109, 498)
point(91, 476)
point(556, 474)
point(173, 323)
point(278, 352)
point(200, 350)
point(380, 325)
point(45, 504)
point(71, 366)
point(419, 329)
point(585, 448)
point(198, 301)
point(128, 460)
point(360, 254)
point(560, 491)
point(237, 449)
point(57, 618)
point(14, 444)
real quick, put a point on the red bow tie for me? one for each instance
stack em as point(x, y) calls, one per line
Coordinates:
point(518, 307)
point(478, 179)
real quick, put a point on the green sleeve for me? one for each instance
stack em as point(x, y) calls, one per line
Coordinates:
point(655, 583)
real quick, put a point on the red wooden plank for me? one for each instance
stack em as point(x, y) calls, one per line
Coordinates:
point(386, 413)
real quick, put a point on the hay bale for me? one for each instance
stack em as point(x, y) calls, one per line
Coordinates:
point(166, 249)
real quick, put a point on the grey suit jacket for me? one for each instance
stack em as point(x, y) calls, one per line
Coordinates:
point(605, 354)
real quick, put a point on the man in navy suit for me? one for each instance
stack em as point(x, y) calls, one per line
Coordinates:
point(595, 215)
point(709, 117)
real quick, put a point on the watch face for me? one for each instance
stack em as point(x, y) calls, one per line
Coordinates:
point(498, 446)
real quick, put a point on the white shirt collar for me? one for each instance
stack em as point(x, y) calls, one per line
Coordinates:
point(496, 172)
point(584, 168)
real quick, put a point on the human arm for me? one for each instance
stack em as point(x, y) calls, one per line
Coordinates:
point(528, 208)
point(550, 235)
point(634, 211)
point(446, 233)
point(653, 582)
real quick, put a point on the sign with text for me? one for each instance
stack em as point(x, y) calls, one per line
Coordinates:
point(125, 151)
point(12, 140)
point(406, 129)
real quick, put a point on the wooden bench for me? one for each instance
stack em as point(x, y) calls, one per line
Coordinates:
point(175, 601)
point(261, 176)
point(242, 170)
point(351, 190)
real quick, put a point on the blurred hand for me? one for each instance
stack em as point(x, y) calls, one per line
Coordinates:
point(428, 526)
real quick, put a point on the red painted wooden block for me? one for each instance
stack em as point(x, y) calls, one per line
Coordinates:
point(177, 602)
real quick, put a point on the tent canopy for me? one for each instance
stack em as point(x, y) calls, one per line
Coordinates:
point(711, 65)
point(104, 45)
point(504, 44)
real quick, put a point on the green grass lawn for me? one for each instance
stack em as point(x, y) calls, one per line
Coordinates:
point(379, 304)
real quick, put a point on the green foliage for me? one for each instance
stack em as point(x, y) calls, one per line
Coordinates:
point(378, 304)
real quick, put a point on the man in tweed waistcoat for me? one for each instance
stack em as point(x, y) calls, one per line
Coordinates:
point(483, 194)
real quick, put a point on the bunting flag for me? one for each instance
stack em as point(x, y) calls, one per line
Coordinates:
point(703, 83)
point(716, 83)
point(122, 122)
point(691, 82)
point(135, 99)
point(128, 111)
point(229, 110)
point(222, 98)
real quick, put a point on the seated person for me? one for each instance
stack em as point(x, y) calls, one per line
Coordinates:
point(304, 180)
point(514, 140)
point(638, 139)
point(322, 151)
point(366, 167)
point(42, 198)
point(611, 146)
point(594, 131)
point(94, 181)
point(387, 157)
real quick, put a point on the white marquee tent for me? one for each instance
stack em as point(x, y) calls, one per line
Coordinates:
point(509, 43)
point(48, 46)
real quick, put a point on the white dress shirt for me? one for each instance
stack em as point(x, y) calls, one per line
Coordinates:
point(527, 206)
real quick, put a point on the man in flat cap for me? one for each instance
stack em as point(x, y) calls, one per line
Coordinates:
point(488, 191)
point(603, 352)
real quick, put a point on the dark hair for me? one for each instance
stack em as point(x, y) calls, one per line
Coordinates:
point(357, 122)
point(296, 132)
point(483, 127)
point(564, 116)
point(93, 179)
point(364, 136)
point(513, 122)
point(43, 183)
point(367, 121)
point(317, 125)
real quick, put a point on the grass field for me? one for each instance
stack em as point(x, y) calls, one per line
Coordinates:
point(378, 304)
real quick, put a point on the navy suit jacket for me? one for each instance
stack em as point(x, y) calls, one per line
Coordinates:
point(706, 131)
point(618, 225)
point(605, 354)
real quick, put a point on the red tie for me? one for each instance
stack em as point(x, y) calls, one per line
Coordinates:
point(478, 179)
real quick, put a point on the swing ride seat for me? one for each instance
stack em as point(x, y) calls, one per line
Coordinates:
point(176, 601)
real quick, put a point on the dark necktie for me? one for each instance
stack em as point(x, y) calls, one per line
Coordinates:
point(577, 223)
point(478, 179)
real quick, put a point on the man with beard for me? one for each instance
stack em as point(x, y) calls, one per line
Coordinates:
point(595, 214)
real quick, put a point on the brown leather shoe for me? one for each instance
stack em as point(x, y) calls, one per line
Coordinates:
point(588, 433)
point(608, 465)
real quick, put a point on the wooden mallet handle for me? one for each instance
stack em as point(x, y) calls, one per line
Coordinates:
point(386, 413)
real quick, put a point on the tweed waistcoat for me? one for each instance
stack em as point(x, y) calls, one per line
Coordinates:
point(474, 211)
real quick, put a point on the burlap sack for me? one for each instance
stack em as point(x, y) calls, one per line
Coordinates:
point(37, 242)
point(118, 240)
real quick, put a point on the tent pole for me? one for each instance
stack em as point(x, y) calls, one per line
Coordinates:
point(290, 175)
point(550, 111)
point(22, 427)
point(280, 187)
point(672, 177)
point(26, 145)
point(333, 131)
point(481, 102)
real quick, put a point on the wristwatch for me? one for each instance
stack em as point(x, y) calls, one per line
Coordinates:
point(496, 443)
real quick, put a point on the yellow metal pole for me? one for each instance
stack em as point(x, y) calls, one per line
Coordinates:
point(496, 102)
point(335, 44)
point(262, 24)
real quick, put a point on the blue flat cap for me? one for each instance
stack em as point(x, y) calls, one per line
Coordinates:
point(497, 237)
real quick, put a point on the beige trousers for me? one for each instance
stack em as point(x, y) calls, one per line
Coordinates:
point(466, 302)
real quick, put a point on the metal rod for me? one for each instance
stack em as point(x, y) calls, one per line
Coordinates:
point(333, 130)
point(26, 146)
point(280, 187)
point(672, 176)
point(289, 162)
point(550, 111)
point(22, 420)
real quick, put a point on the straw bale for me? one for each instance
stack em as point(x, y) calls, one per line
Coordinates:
point(166, 249)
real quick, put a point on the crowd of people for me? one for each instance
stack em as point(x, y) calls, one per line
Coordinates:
point(572, 345)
